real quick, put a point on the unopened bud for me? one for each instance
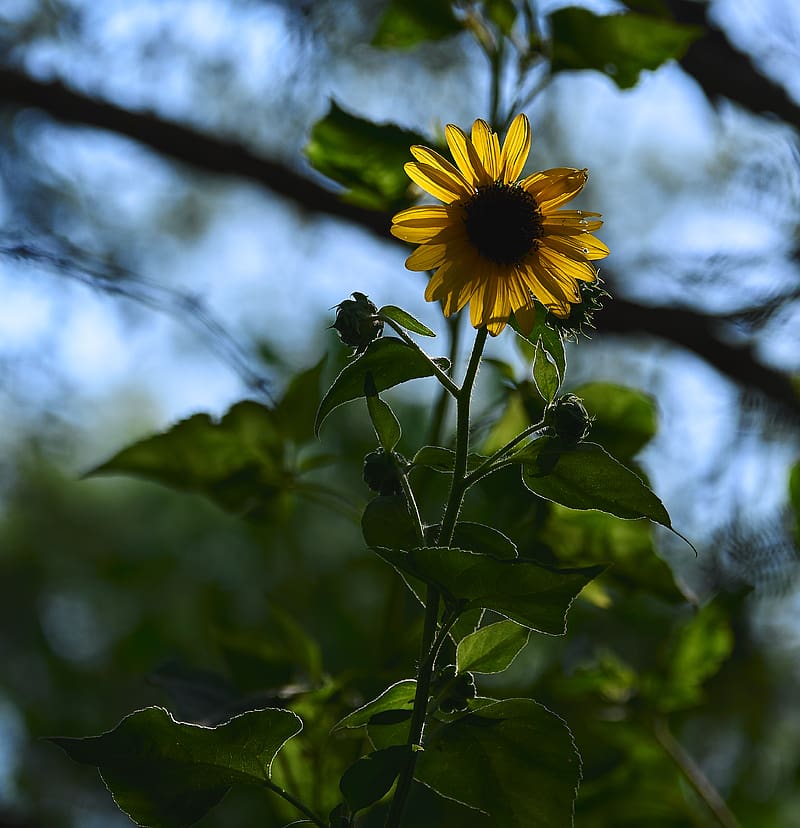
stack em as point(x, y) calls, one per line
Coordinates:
point(568, 417)
point(381, 473)
point(356, 322)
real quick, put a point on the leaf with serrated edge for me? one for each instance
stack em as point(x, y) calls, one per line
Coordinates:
point(491, 649)
point(167, 774)
point(400, 696)
point(524, 591)
point(514, 760)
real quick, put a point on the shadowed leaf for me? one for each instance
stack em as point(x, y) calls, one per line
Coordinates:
point(166, 774)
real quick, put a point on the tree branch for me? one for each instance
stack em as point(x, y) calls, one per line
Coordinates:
point(183, 144)
point(212, 155)
point(723, 71)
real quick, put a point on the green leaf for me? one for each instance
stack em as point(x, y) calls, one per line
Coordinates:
point(549, 338)
point(444, 460)
point(545, 373)
point(237, 462)
point(398, 697)
point(387, 522)
point(502, 13)
point(406, 320)
point(794, 495)
point(624, 418)
point(366, 158)
point(513, 760)
point(491, 649)
point(620, 45)
point(370, 777)
point(406, 23)
point(166, 774)
point(386, 425)
point(477, 537)
point(524, 591)
point(587, 477)
point(389, 360)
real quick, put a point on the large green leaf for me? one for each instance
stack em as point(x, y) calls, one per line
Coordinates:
point(384, 421)
point(620, 45)
point(794, 495)
point(165, 774)
point(237, 461)
point(545, 373)
point(408, 22)
point(294, 412)
point(587, 477)
point(366, 158)
point(530, 594)
point(492, 648)
point(389, 360)
point(513, 760)
point(624, 419)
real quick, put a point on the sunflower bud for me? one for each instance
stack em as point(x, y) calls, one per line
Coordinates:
point(356, 322)
point(452, 691)
point(381, 473)
point(568, 417)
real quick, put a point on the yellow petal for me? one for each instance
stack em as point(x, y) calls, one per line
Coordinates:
point(425, 215)
point(554, 190)
point(431, 158)
point(437, 182)
point(427, 257)
point(571, 222)
point(549, 287)
point(526, 317)
point(515, 149)
point(488, 147)
point(422, 235)
point(565, 269)
point(580, 247)
point(466, 156)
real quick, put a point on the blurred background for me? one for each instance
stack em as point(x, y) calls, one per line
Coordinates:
point(168, 248)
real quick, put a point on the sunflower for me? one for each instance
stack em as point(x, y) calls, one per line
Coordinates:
point(498, 242)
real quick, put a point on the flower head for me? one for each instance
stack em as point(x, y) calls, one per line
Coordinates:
point(497, 242)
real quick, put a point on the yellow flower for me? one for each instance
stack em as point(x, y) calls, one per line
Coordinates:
point(497, 242)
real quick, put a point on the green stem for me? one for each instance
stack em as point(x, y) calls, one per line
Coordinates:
point(695, 776)
point(485, 467)
point(430, 643)
point(458, 484)
point(441, 375)
point(307, 812)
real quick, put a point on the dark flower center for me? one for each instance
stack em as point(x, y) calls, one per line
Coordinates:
point(504, 222)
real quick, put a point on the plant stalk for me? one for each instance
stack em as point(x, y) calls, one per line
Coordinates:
point(428, 652)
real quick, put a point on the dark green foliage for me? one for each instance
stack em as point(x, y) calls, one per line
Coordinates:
point(619, 45)
point(406, 23)
point(390, 361)
point(587, 477)
point(493, 758)
point(167, 775)
point(528, 593)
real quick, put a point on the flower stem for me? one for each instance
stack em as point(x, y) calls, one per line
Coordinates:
point(440, 410)
point(431, 642)
point(485, 467)
point(441, 375)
